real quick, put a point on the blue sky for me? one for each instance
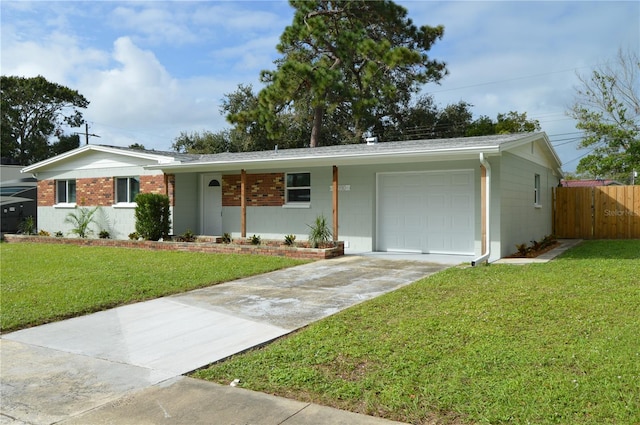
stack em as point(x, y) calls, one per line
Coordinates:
point(152, 69)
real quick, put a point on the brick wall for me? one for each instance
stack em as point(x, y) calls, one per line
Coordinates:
point(99, 191)
point(262, 190)
point(46, 193)
point(170, 182)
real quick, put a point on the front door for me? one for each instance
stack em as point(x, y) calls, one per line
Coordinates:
point(212, 204)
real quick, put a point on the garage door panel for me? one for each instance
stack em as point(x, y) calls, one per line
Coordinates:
point(426, 212)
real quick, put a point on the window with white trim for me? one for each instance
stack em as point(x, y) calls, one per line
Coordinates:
point(536, 190)
point(127, 188)
point(298, 188)
point(66, 191)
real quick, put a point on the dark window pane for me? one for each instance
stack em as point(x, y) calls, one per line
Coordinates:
point(299, 180)
point(299, 195)
point(121, 190)
point(134, 188)
point(61, 191)
point(71, 195)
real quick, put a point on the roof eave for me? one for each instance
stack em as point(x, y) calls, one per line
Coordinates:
point(324, 160)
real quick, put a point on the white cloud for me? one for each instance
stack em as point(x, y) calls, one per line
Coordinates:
point(154, 23)
point(140, 95)
point(58, 57)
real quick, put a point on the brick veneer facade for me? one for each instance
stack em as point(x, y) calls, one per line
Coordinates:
point(99, 191)
point(262, 190)
point(46, 193)
point(95, 192)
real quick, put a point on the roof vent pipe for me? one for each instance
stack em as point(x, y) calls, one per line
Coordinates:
point(487, 236)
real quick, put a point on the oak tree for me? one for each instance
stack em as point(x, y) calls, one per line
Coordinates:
point(607, 108)
point(34, 110)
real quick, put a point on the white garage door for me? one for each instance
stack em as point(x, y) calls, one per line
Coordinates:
point(429, 212)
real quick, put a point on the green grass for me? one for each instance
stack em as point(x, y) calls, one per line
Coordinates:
point(554, 343)
point(41, 283)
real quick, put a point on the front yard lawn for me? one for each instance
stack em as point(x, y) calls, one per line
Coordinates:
point(554, 343)
point(41, 283)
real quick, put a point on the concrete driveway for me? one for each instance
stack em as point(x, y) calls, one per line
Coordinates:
point(62, 370)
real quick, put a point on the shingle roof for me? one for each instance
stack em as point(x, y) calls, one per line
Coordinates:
point(412, 146)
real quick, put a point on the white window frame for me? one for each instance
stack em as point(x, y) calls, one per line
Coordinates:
point(128, 202)
point(536, 191)
point(291, 203)
point(66, 202)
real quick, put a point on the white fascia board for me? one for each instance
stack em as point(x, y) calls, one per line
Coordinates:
point(143, 155)
point(328, 160)
point(532, 138)
point(38, 165)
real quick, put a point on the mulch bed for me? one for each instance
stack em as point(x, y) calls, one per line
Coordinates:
point(534, 254)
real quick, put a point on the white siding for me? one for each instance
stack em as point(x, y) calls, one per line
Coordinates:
point(357, 205)
point(119, 222)
point(522, 221)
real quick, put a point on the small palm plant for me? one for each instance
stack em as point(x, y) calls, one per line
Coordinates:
point(319, 235)
point(290, 240)
point(81, 220)
point(27, 226)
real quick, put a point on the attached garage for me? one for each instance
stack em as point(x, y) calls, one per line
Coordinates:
point(426, 212)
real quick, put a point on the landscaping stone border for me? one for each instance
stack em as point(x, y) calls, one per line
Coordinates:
point(267, 248)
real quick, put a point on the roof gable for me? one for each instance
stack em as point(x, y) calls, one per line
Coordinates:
point(102, 156)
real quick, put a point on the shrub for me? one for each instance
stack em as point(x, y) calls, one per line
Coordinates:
point(59, 234)
point(226, 238)
point(81, 220)
point(134, 236)
point(27, 226)
point(152, 216)
point(43, 233)
point(549, 240)
point(104, 234)
point(522, 248)
point(536, 246)
point(187, 236)
point(319, 235)
point(290, 240)
point(255, 240)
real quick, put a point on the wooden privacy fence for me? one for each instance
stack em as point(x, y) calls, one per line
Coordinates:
point(603, 212)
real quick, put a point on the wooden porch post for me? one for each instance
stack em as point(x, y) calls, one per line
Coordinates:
point(335, 203)
point(243, 204)
point(483, 206)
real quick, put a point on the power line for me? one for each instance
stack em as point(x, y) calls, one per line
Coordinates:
point(513, 79)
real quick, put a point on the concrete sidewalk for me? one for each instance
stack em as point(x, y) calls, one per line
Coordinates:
point(123, 365)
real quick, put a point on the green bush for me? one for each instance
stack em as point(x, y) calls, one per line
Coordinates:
point(152, 214)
